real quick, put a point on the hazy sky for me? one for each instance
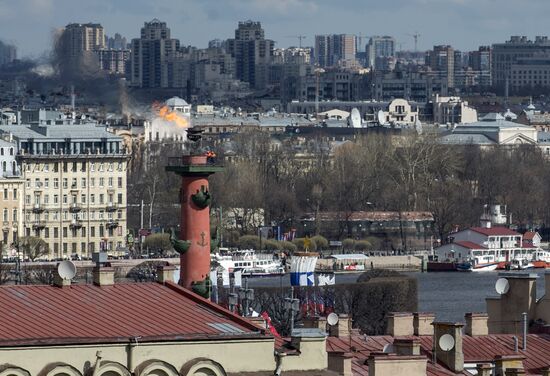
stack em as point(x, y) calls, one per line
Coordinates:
point(465, 24)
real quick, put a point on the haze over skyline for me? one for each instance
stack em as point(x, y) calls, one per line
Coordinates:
point(465, 24)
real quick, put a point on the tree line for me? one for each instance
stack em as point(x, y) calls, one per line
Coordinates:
point(285, 177)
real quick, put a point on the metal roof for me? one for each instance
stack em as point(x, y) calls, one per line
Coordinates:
point(498, 231)
point(48, 315)
point(351, 256)
point(58, 131)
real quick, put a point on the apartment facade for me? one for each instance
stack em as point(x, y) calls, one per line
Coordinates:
point(74, 187)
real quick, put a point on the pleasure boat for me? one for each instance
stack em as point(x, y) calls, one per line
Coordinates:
point(249, 263)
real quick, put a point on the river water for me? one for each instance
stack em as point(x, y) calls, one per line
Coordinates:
point(448, 294)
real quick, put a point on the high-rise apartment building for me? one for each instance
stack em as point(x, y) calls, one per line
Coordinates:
point(8, 53)
point(379, 49)
point(506, 54)
point(441, 60)
point(481, 61)
point(252, 53)
point(113, 61)
point(74, 187)
point(79, 38)
point(150, 53)
point(330, 50)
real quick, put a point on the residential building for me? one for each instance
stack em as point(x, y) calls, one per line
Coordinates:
point(334, 84)
point(150, 54)
point(441, 60)
point(74, 194)
point(379, 49)
point(452, 110)
point(481, 61)
point(11, 192)
point(507, 54)
point(530, 72)
point(333, 50)
point(8, 53)
point(113, 61)
point(414, 86)
point(252, 53)
point(79, 38)
point(118, 42)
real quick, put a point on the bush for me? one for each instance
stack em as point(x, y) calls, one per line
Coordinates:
point(375, 243)
point(299, 242)
point(249, 242)
point(271, 245)
point(157, 243)
point(320, 242)
point(347, 244)
point(287, 246)
point(361, 245)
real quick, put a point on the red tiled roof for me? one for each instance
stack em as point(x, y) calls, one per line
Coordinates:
point(499, 230)
point(482, 349)
point(469, 245)
point(90, 314)
point(529, 235)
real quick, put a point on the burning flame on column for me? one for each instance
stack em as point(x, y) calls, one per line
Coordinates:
point(168, 115)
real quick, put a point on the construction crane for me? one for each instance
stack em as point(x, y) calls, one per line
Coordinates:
point(300, 38)
point(415, 37)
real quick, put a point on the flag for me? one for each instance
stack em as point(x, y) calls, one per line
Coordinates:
point(270, 326)
point(237, 281)
point(225, 278)
point(214, 277)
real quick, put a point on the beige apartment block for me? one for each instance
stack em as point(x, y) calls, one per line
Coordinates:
point(76, 203)
point(11, 200)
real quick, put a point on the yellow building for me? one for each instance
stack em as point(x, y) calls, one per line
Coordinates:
point(11, 194)
point(74, 192)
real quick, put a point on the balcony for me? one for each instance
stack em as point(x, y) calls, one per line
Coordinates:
point(76, 223)
point(38, 225)
point(37, 208)
point(111, 207)
point(112, 224)
point(75, 208)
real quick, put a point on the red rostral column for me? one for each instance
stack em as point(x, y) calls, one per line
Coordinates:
point(194, 239)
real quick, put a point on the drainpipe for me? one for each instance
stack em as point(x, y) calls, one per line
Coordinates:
point(133, 343)
point(279, 362)
point(524, 314)
point(98, 357)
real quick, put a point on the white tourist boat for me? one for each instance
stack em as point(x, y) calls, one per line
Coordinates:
point(249, 263)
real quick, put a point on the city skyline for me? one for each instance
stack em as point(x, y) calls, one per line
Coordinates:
point(464, 24)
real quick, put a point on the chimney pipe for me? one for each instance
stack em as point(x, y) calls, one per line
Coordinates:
point(516, 344)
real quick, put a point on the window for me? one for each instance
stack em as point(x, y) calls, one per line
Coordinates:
point(56, 183)
point(83, 247)
point(119, 214)
point(92, 214)
point(5, 193)
point(100, 167)
point(46, 232)
point(83, 232)
point(15, 193)
point(120, 198)
point(56, 199)
point(110, 182)
point(101, 231)
point(46, 183)
point(101, 199)
point(37, 183)
point(27, 199)
point(46, 167)
point(46, 199)
point(65, 215)
point(120, 182)
point(28, 183)
point(56, 232)
point(65, 183)
point(65, 199)
point(120, 166)
point(101, 213)
point(5, 215)
point(14, 215)
point(92, 199)
point(75, 166)
point(11, 151)
point(64, 232)
point(111, 167)
point(73, 183)
point(83, 166)
point(55, 215)
point(92, 166)
point(83, 181)
point(92, 231)
point(101, 182)
point(65, 248)
point(92, 182)
point(83, 198)
point(56, 167)
point(65, 166)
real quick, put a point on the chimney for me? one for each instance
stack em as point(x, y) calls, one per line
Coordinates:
point(340, 363)
point(60, 282)
point(400, 324)
point(422, 323)
point(545, 371)
point(484, 369)
point(318, 322)
point(104, 275)
point(476, 324)
point(381, 364)
point(165, 273)
point(343, 328)
point(453, 358)
point(505, 362)
point(406, 346)
point(515, 372)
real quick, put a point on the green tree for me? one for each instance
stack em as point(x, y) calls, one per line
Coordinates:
point(249, 242)
point(320, 242)
point(158, 243)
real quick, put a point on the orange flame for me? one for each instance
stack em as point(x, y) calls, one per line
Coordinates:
point(171, 116)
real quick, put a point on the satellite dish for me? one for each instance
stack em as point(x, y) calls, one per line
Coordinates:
point(332, 319)
point(446, 342)
point(388, 348)
point(381, 117)
point(66, 270)
point(355, 118)
point(502, 286)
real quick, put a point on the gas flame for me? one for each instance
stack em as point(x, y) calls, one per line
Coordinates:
point(168, 115)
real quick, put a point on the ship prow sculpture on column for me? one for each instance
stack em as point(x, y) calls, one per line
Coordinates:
point(194, 242)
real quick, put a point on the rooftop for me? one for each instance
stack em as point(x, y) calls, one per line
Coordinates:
point(49, 315)
point(498, 231)
point(80, 131)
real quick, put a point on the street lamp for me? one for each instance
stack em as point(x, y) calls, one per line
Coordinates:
point(246, 295)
